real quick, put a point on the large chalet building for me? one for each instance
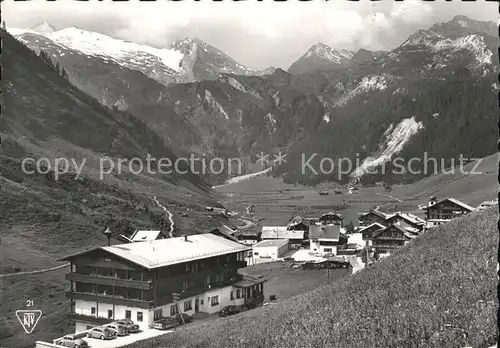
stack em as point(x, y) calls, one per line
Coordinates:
point(386, 240)
point(439, 212)
point(138, 280)
point(371, 217)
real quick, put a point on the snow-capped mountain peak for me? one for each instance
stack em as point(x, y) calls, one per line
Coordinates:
point(326, 52)
point(43, 27)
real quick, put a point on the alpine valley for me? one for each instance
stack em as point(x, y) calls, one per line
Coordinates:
point(432, 94)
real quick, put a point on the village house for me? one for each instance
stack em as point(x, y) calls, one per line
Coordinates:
point(331, 218)
point(437, 213)
point(247, 236)
point(296, 238)
point(299, 224)
point(270, 249)
point(391, 238)
point(369, 231)
point(326, 238)
point(137, 280)
point(410, 222)
point(371, 217)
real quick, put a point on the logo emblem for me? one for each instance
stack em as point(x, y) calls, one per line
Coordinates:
point(29, 318)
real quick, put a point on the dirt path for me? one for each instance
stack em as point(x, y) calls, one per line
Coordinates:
point(169, 215)
point(39, 271)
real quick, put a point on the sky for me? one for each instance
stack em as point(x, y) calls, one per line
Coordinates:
point(256, 34)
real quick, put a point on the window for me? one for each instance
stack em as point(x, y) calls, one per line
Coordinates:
point(128, 314)
point(92, 310)
point(328, 250)
point(214, 301)
point(238, 293)
point(173, 310)
point(110, 314)
point(201, 302)
point(157, 314)
point(188, 306)
point(256, 254)
point(139, 316)
point(89, 327)
point(232, 295)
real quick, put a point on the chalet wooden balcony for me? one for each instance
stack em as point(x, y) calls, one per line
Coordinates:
point(94, 279)
point(88, 318)
point(93, 297)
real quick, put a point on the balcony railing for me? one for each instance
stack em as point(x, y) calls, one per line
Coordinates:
point(118, 300)
point(101, 280)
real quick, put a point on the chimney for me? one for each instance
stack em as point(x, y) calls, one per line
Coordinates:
point(185, 238)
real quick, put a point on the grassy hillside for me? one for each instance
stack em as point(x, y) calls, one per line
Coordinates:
point(440, 291)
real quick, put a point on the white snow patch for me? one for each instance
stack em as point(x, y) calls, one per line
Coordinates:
point(276, 98)
point(367, 83)
point(326, 118)
point(435, 115)
point(214, 104)
point(396, 139)
point(495, 86)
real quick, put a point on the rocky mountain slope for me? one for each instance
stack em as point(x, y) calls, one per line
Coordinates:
point(363, 105)
point(321, 57)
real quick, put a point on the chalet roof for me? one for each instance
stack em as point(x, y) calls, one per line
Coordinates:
point(279, 232)
point(170, 251)
point(271, 242)
point(249, 281)
point(145, 235)
point(324, 232)
point(332, 214)
point(375, 224)
point(453, 200)
point(399, 228)
point(413, 219)
point(376, 212)
point(220, 231)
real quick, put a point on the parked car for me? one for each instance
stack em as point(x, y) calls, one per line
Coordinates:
point(100, 332)
point(187, 318)
point(117, 329)
point(229, 310)
point(165, 323)
point(129, 325)
point(72, 342)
